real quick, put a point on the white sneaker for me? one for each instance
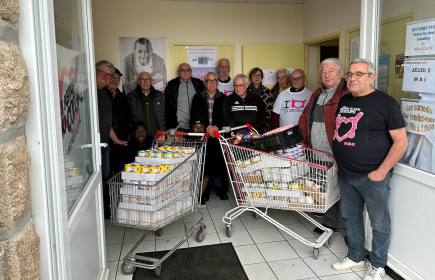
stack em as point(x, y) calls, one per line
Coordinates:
point(345, 264)
point(374, 273)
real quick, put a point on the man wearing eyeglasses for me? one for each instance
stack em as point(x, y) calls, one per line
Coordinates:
point(179, 95)
point(283, 82)
point(225, 81)
point(369, 139)
point(208, 104)
point(244, 107)
point(121, 117)
point(104, 73)
point(143, 59)
point(290, 103)
point(147, 104)
point(317, 124)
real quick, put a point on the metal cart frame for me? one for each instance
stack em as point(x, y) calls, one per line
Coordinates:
point(190, 169)
point(314, 174)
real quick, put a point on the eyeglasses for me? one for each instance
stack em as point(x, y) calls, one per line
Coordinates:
point(212, 81)
point(239, 86)
point(116, 78)
point(224, 66)
point(185, 70)
point(357, 75)
point(256, 75)
point(104, 74)
point(144, 79)
point(297, 79)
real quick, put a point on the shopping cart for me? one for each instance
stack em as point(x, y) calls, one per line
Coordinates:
point(151, 201)
point(305, 183)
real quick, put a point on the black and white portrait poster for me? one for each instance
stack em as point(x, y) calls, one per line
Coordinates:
point(143, 54)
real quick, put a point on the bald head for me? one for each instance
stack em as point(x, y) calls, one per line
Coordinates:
point(298, 78)
point(184, 71)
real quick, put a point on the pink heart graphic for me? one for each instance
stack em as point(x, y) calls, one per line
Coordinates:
point(294, 101)
point(351, 132)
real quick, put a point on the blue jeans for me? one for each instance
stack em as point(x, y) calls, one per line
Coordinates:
point(375, 194)
point(105, 171)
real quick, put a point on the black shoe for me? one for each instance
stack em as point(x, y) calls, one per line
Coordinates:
point(319, 215)
point(205, 198)
point(222, 195)
point(202, 202)
point(319, 231)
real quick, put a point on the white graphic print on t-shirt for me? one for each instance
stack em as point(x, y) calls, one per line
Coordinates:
point(351, 133)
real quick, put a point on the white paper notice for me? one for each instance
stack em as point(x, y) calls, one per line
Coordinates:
point(269, 77)
point(354, 48)
point(420, 37)
point(202, 56)
point(290, 70)
point(419, 117)
point(419, 75)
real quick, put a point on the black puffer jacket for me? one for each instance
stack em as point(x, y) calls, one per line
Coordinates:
point(121, 115)
point(200, 106)
point(158, 102)
point(237, 111)
point(171, 99)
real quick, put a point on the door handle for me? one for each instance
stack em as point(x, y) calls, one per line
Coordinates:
point(90, 146)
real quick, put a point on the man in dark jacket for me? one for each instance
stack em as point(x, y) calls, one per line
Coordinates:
point(121, 117)
point(317, 124)
point(207, 106)
point(244, 107)
point(140, 140)
point(147, 104)
point(178, 97)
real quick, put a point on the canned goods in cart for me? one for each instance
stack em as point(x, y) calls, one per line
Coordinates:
point(193, 150)
point(145, 168)
point(176, 149)
point(161, 148)
point(72, 172)
point(176, 154)
point(161, 168)
point(169, 155)
point(151, 154)
point(136, 168)
point(154, 169)
point(247, 162)
point(159, 154)
point(240, 163)
point(141, 154)
point(170, 149)
point(167, 167)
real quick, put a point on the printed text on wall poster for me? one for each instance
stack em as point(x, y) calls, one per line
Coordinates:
point(419, 75)
point(419, 117)
point(420, 37)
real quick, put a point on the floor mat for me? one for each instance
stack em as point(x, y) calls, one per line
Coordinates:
point(215, 262)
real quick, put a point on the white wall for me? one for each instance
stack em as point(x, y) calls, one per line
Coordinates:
point(324, 17)
point(193, 22)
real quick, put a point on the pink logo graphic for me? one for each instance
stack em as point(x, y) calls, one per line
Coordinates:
point(226, 92)
point(294, 101)
point(351, 132)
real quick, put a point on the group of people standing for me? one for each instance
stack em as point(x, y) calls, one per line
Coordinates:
point(361, 126)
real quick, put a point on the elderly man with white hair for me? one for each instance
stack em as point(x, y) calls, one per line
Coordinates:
point(225, 84)
point(244, 107)
point(317, 124)
point(283, 82)
point(365, 152)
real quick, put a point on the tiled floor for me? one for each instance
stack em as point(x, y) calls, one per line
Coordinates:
point(264, 251)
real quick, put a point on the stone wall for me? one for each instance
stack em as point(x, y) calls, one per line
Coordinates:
point(17, 230)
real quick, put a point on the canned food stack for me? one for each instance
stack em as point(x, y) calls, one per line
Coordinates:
point(156, 189)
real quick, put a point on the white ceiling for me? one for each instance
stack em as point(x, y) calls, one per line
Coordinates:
point(246, 1)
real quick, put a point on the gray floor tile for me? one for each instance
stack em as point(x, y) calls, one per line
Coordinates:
point(221, 226)
point(194, 217)
point(172, 230)
point(251, 222)
point(210, 239)
point(144, 247)
point(249, 254)
point(338, 245)
point(239, 238)
point(345, 276)
point(218, 213)
point(208, 223)
point(134, 234)
point(113, 252)
point(305, 250)
point(264, 235)
point(115, 236)
point(299, 229)
point(217, 203)
point(112, 266)
point(259, 271)
point(284, 218)
point(323, 265)
point(168, 244)
point(276, 251)
point(291, 269)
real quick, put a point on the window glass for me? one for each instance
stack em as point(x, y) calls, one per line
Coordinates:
point(406, 71)
point(73, 75)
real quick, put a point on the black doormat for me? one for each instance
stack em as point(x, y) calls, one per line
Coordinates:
point(215, 262)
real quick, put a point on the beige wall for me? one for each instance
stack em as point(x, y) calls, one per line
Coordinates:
point(423, 8)
point(193, 22)
point(324, 17)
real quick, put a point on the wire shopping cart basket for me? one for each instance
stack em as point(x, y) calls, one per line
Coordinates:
point(307, 182)
point(156, 191)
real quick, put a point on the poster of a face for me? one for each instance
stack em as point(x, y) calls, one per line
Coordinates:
point(143, 54)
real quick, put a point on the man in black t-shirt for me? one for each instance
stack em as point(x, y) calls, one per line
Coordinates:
point(369, 139)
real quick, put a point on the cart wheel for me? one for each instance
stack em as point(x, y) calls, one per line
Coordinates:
point(200, 235)
point(257, 216)
point(159, 232)
point(157, 271)
point(230, 230)
point(328, 242)
point(127, 269)
point(315, 253)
